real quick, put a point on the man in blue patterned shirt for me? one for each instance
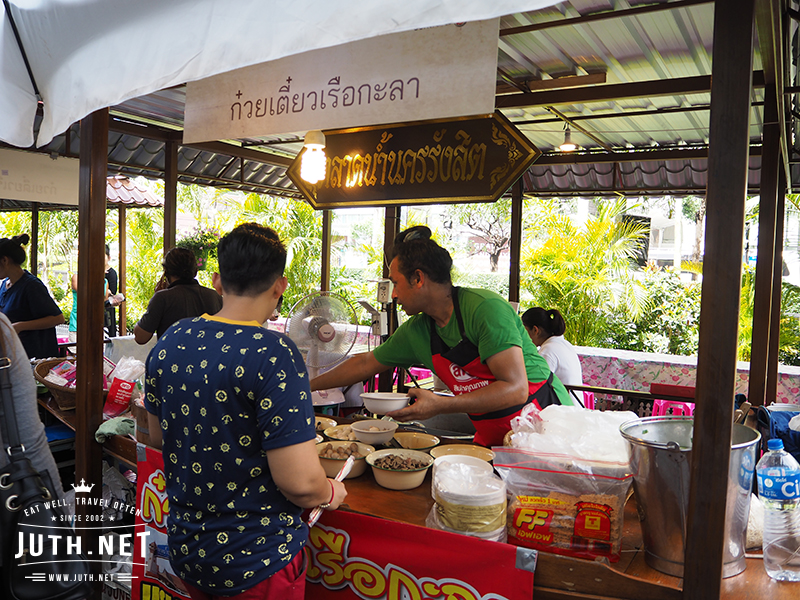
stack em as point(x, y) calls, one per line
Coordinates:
point(232, 403)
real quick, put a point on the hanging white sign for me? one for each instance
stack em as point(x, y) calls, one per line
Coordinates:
point(35, 177)
point(432, 73)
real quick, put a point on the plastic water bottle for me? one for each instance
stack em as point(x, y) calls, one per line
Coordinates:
point(779, 489)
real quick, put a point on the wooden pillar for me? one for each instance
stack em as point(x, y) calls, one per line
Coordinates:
point(170, 193)
point(123, 268)
point(762, 305)
point(33, 259)
point(391, 228)
point(91, 267)
point(719, 311)
point(516, 240)
point(327, 218)
point(777, 280)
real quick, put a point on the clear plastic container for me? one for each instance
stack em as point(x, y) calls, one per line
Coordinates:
point(779, 489)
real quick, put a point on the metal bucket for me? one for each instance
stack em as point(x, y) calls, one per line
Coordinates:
point(661, 455)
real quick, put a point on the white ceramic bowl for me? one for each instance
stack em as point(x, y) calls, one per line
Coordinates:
point(332, 466)
point(319, 439)
point(400, 480)
point(374, 431)
point(415, 440)
point(340, 432)
point(467, 449)
point(323, 423)
point(380, 403)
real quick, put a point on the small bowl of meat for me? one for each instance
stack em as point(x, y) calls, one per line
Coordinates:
point(399, 469)
point(333, 454)
point(374, 431)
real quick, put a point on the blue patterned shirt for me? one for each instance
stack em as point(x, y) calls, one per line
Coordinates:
point(225, 393)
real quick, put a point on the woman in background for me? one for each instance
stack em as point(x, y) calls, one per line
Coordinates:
point(26, 302)
point(546, 329)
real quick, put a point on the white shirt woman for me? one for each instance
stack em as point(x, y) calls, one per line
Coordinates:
point(546, 329)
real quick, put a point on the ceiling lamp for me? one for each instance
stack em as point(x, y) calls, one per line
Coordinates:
point(312, 164)
point(568, 145)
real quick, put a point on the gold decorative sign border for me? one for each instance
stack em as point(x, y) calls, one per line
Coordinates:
point(468, 159)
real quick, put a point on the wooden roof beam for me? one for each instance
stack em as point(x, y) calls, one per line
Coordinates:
point(610, 14)
point(632, 156)
point(769, 24)
point(699, 84)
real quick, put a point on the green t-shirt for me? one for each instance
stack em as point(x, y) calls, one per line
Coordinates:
point(489, 322)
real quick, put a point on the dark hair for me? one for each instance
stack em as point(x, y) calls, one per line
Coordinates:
point(550, 321)
point(12, 248)
point(417, 251)
point(251, 258)
point(108, 251)
point(180, 263)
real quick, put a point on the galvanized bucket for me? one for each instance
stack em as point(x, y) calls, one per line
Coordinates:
point(661, 457)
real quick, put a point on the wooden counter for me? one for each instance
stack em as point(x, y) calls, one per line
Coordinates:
point(121, 447)
point(562, 578)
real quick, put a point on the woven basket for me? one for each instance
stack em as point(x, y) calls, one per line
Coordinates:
point(65, 397)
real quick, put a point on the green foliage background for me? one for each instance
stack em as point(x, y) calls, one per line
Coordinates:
point(587, 272)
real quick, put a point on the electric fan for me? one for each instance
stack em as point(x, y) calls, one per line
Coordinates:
point(323, 326)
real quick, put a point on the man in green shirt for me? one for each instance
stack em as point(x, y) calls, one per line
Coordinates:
point(472, 339)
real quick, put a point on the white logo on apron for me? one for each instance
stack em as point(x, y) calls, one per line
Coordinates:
point(459, 374)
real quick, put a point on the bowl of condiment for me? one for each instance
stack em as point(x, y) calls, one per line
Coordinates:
point(467, 449)
point(333, 454)
point(373, 431)
point(399, 469)
point(340, 432)
point(323, 423)
point(380, 403)
point(416, 440)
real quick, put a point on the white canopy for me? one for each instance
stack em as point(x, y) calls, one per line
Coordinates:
point(89, 54)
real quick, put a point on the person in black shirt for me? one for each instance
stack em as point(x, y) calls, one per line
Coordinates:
point(178, 296)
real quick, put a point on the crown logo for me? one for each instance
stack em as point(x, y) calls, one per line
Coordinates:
point(82, 487)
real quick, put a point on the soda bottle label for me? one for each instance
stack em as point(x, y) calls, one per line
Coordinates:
point(779, 484)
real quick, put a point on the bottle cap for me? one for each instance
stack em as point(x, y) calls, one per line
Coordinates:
point(775, 444)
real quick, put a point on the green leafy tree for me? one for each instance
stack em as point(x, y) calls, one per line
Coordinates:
point(670, 321)
point(490, 225)
point(585, 273)
point(145, 252)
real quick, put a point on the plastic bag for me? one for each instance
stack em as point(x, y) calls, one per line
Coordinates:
point(470, 498)
point(123, 386)
point(571, 430)
point(563, 504)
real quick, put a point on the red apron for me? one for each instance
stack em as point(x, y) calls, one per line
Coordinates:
point(461, 370)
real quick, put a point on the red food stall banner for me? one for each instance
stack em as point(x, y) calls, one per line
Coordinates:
point(155, 579)
point(356, 556)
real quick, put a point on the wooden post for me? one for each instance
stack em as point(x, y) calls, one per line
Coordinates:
point(325, 283)
point(516, 240)
point(762, 304)
point(33, 258)
point(91, 267)
point(777, 280)
point(123, 268)
point(390, 229)
point(719, 311)
point(170, 193)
